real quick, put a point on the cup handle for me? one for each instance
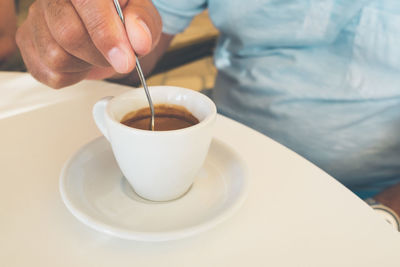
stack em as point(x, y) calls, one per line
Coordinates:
point(99, 114)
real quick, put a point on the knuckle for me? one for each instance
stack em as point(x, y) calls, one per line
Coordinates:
point(99, 30)
point(55, 8)
point(49, 78)
point(56, 58)
point(56, 80)
point(36, 74)
point(80, 3)
point(69, 35)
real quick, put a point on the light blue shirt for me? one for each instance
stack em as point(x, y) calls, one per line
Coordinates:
point(322, 77)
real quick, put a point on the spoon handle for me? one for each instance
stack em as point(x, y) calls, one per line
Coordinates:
point(139, 71)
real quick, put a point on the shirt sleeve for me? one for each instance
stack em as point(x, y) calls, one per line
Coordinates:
point(177, 14)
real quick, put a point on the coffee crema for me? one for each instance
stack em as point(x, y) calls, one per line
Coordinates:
point(167, 117)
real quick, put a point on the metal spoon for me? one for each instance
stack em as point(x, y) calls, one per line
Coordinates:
point(139, 71)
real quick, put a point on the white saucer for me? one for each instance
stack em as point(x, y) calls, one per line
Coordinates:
point(95, 191)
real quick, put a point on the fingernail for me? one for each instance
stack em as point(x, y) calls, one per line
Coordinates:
point(119, 60)
point(144, 26)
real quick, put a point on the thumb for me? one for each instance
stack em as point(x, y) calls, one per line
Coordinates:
point(143, 25)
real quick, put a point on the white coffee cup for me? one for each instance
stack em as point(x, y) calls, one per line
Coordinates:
point(159, 165)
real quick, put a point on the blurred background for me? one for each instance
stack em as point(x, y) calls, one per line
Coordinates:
point(188, 62)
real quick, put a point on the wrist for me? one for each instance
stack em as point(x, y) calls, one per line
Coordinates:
point(386, 212)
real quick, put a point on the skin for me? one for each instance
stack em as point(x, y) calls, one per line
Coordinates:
point(390, 197)
point(8, 27)
point(65, 41)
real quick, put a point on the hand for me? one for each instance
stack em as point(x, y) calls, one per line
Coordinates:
point(65, 41)
point(390, 197)
point(8, 27)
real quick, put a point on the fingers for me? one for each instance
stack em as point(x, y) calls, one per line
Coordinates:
point(65, 41)
point(97, 73)
point(39, 70)
point(66, 27)
point(52, 54)
point(143, 25)
point(45, 60)
point(107, 32)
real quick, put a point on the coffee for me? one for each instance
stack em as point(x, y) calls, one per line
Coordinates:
point(167, 117)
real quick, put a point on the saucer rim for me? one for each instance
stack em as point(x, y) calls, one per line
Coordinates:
point(152, 236)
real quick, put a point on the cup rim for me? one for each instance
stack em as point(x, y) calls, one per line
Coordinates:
point(209, 118)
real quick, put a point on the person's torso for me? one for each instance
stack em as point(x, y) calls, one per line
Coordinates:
point(321, 77)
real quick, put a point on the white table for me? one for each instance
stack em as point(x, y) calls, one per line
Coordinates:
point(294, 214)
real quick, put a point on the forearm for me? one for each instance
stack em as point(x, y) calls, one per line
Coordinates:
point(387, 204)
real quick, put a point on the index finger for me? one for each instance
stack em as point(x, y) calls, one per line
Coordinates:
point(107, 32)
